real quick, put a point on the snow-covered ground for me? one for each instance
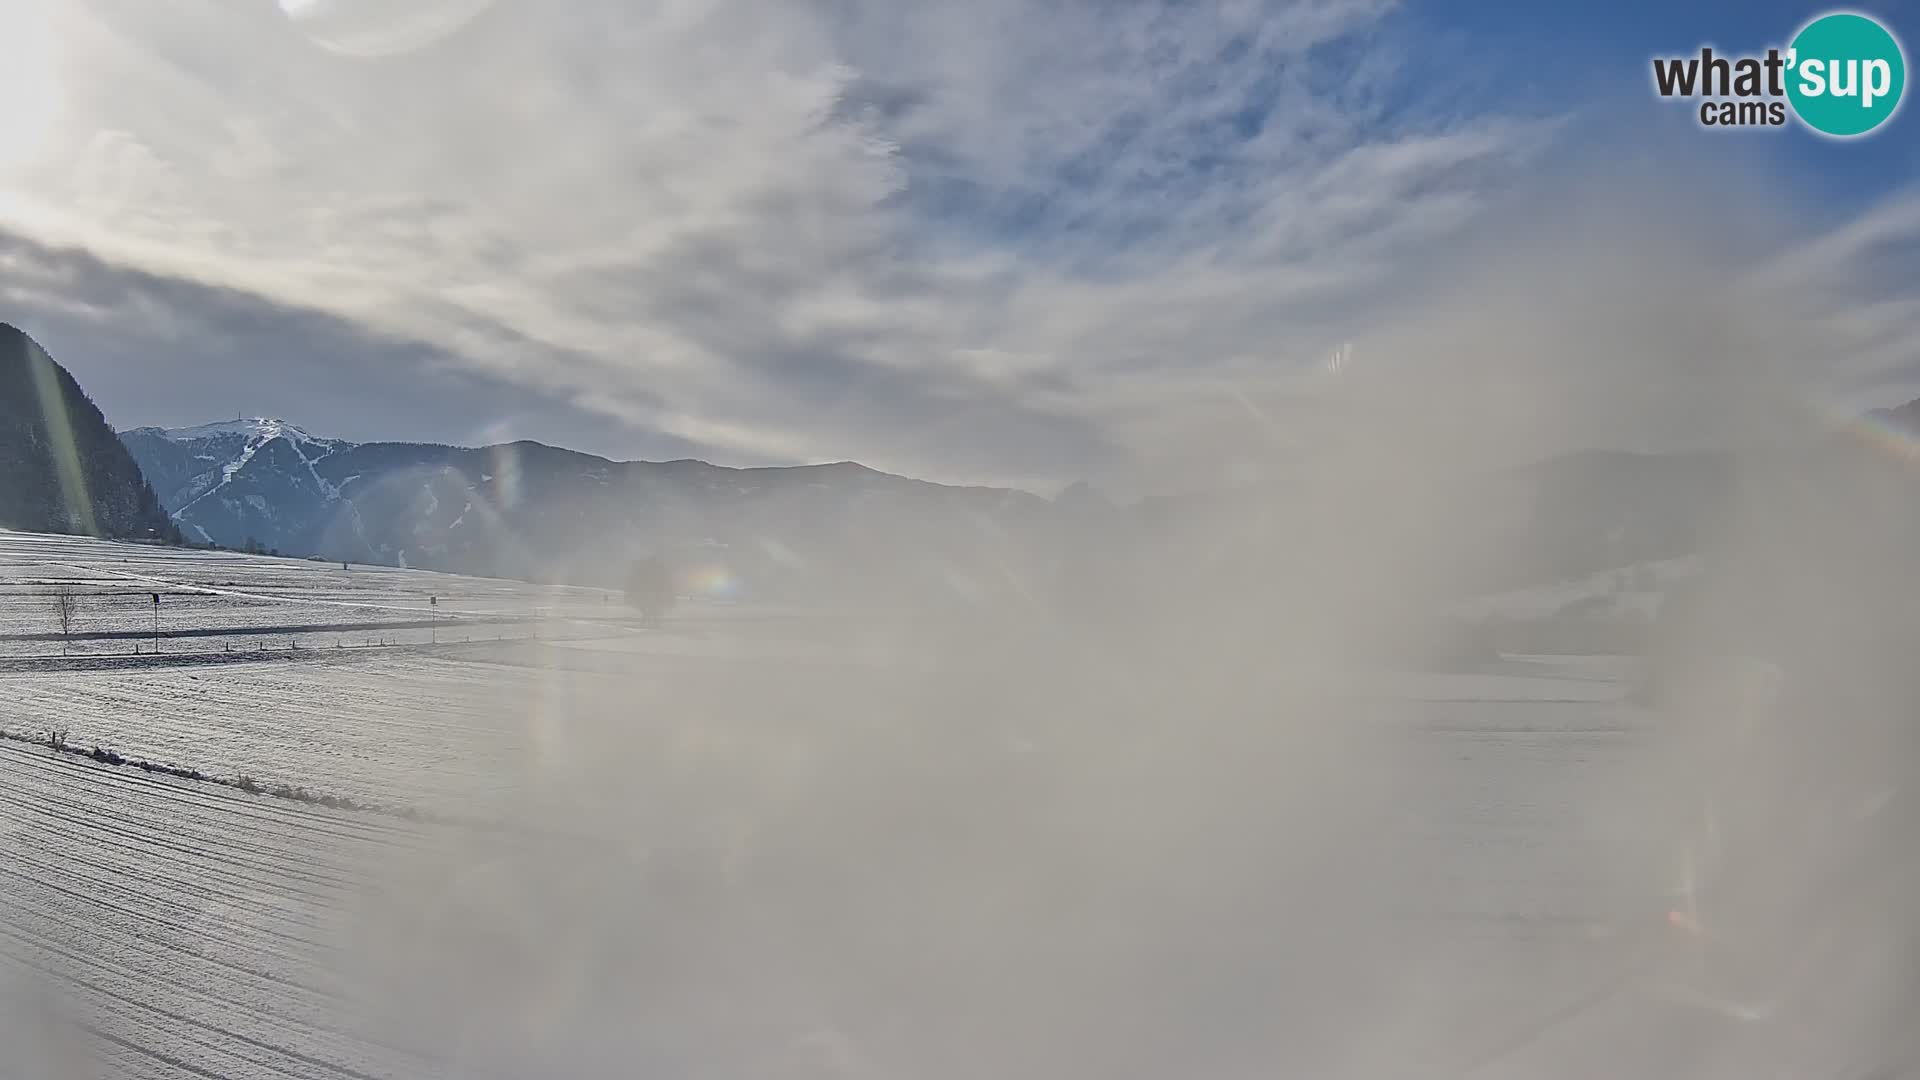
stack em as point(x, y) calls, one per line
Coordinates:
point(671, 860)
point(180, 929)
point(1633, 592)
point(225, 602)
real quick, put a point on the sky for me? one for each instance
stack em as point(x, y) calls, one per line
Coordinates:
point(1007, 241)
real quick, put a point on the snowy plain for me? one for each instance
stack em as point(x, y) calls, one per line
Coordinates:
point(585, 899)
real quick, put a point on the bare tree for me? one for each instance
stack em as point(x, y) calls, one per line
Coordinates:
point(66, 604)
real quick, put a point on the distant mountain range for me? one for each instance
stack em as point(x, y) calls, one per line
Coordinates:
point(530, 511)
point(61, 469)
point(527, 510)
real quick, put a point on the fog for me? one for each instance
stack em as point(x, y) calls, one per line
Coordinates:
point(1230, 789)
point(1167, 819)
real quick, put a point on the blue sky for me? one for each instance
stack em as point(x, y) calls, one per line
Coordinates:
point(1594, 59)
point(1005, 241)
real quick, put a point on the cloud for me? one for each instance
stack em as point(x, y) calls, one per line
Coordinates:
point(994, 241)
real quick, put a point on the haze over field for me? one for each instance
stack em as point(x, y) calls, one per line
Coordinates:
point(1228, 806)
point(863, 540)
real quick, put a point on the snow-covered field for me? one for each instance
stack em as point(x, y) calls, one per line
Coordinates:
point(222, 602)
point(1632, 592)
point(175, 928)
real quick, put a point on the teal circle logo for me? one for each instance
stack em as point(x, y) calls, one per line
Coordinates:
point(1845, 74)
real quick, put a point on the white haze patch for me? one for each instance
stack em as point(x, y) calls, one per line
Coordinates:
point(1159, 830)
point(1182, 801)
point(1164, 831)
point(1189, 804)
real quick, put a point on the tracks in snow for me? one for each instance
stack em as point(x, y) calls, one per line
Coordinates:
point(197, 931)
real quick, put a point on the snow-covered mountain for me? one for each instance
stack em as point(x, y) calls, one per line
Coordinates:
point(239, 480)
point(533, 511)
point(528, 510)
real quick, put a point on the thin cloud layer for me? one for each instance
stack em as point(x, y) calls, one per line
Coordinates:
point(997, 241)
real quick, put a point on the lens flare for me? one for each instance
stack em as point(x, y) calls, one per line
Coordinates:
point(1882, 433)
point(68, 469)
point(369, 29)
point(712, 581)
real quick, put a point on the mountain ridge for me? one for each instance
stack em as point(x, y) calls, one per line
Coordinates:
point(268, 428)
point(62, 468)
point(527, 509)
